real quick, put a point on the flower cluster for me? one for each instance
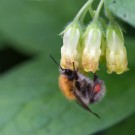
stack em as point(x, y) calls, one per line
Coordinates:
point(87, 47)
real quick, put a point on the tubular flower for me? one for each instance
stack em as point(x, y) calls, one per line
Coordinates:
point(69, 53)
point(116, 55)
point(91, 53)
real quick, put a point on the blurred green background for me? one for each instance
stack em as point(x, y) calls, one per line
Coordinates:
point(30, 100)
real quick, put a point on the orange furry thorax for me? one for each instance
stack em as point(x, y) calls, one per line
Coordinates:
point(66, 87)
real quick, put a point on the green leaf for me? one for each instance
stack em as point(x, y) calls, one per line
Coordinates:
point(32, 26)
point(24, 24)
point(30, 100)
point(123, 128)
point(123, 9)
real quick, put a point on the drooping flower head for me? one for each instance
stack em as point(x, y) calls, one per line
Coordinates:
point(92, 43)
point(116, 55)
point(71, 41)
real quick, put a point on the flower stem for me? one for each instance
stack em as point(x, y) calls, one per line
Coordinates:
point(110, 16)
point(91, 12)
point(83, 9)
point(98, 10)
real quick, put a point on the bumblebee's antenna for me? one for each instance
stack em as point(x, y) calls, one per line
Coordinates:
point(55, 61)
point(75, 73)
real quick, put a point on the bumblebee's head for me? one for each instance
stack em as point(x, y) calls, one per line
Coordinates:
point(69, 73)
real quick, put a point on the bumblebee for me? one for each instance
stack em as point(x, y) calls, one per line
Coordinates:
point(76, 86)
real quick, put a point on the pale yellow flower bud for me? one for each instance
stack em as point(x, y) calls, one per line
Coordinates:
point(116, 55)
point(91, 53)
point(69, 53)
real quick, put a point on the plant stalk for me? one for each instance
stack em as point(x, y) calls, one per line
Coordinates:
point(98, 10)
point(83, 9)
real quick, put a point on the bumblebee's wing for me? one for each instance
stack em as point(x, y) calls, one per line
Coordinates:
point(83, 105)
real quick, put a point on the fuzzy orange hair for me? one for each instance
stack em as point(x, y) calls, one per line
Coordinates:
point(66, 87)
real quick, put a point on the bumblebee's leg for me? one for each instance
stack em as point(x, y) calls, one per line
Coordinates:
point(95, 77)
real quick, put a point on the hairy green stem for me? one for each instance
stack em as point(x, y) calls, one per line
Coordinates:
point(83, 9)
point(91, 12)
point(110, 16)
point(98, 9)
